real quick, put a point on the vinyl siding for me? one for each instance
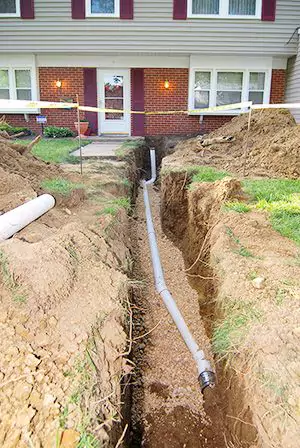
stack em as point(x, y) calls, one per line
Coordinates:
point(153, 31)
point(292, 94)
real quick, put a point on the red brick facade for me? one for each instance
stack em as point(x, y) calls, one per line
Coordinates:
point(72, 84)
point(157, 98)
point(278, 86)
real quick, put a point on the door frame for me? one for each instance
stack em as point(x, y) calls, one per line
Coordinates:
point(127, 98)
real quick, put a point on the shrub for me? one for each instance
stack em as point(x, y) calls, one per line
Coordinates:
point(57, 132)
point(11, 130)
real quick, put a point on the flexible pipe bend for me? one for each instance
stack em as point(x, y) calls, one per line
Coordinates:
point(206, 374)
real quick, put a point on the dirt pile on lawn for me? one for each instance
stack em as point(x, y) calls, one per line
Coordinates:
point(273, 146)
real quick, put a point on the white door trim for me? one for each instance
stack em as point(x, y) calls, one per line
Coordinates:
point(124, 127)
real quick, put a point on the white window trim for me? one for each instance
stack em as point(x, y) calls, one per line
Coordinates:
point(213, 90)
point(13, 90)
point(14, 14)
point(223, 12)
point(88, 10)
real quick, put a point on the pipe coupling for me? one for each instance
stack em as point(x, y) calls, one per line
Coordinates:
point(207, 379)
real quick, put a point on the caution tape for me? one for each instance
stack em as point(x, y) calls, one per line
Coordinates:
point(19, 104)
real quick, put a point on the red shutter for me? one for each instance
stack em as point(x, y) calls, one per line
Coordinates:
point(179, 9)
point(268, 12)
point(78, 9)
point(126, 9)
point(27, 9)
point(138, 101)
point(90, 97)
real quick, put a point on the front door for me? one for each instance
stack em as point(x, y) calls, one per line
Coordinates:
point(114, 93)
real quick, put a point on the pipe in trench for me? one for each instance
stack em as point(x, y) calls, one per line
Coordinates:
point(18, 218)
point(206, 374)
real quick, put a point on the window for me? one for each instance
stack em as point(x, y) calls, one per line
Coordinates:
point(15, 84)
point(225, 8)
point(9, 8)
point(210, 88)
point(103, 8)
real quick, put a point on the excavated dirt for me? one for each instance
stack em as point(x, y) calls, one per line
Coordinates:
point(254, 327)
point(273, 147)
point(64, 309)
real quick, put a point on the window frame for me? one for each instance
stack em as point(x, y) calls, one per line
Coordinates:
point(224, 12)
point(213, 88)
point(13, 14)
point(89, 13)
point(13, 88)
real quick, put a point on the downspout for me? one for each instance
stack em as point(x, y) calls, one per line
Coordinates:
point(206, 376)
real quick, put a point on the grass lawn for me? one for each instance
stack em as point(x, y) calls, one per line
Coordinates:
point(56, 150)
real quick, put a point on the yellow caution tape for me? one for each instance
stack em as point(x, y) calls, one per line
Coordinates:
point(19, 104)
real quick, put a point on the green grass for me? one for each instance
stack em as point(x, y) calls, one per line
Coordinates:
point(281, 198)
point(208, 174)
point(57, 150)
point(114, 206)
point(239, 207)
point(125, 149)
point(87, 440)
point(240, 249)
point(60, 186)
point(230, 331)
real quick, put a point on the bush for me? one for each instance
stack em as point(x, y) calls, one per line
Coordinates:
point(11, 130)
point(56, 132)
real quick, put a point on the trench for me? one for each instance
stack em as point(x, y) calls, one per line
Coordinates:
point(167, 407)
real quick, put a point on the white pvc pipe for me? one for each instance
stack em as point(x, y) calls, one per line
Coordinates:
point(18, 218)
point(206, 374)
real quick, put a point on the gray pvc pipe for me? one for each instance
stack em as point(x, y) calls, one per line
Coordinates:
point(206, 374)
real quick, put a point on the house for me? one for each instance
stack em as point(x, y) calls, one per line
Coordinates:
point(158, 55)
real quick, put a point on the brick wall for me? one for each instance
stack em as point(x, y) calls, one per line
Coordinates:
point(174, 98)
point(72, 84)
point(278, 86)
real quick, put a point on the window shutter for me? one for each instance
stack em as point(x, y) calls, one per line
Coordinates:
point(268, 10)
point(27, 9)
point(138, 101)
point(90, 97)
point(126, 9)
point(78, 9)
point(179, 9)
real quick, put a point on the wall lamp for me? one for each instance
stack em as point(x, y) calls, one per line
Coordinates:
point(58, 84)
point(167, 84)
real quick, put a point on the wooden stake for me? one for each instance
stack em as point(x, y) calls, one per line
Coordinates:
point(246, 142)
point(79, 135)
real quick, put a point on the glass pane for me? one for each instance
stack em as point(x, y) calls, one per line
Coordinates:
point(23, 79)
point(114, 103)
point(205, 7)
point(7, 6)
point(4, 94)
point(256, 97)
point(113, 86)
point(102, 6)
point(242, 7)
point(4, 82)
point(23, 94)
point(230, 81)
point(257, 81)
point(202, 81)
point(224, 98)
point(201, 99)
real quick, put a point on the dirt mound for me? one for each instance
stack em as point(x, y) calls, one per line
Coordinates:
point(26, 166)
point(273, 146)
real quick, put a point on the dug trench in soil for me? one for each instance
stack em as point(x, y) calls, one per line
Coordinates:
point(168, 409)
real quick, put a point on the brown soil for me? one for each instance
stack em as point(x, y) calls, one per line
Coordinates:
point(261, 377)
point(63, 295)
point(273, 147)
point(168, 405)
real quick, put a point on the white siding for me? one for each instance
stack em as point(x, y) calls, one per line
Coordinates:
point(153, 31)
point(293, 83)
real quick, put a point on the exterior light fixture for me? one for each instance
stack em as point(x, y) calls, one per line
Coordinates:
point(58, 83)
point(167, 84)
